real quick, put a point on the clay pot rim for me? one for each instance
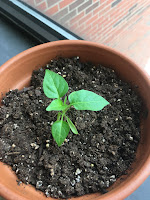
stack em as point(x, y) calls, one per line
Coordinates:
point(71, 42)
point(136, 179)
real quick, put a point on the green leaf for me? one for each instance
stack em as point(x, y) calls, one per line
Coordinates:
point(54, 85)
point(57, 105)
point(72, 126)
point(87, 100)
point(60, 130)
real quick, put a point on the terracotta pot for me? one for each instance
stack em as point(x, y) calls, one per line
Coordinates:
point(16, 73)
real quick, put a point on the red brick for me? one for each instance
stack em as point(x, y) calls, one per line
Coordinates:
point(77, 18)
point(124, 3)
point(104, 36)
point(133, 19)
point(122, 10)
point(96, 10)
point(100, 8)
point(107, 1)
point(84, 5)
point(89, 32)
point(61, 14)
point(30, 2)
point(84, 31)
point(96, 22)
point(103, 11)
point(41, 7)
point(116, 13)
point(116, 17)
point(109, 23)
point(80, 28)
point(114, 33)
point(65, 3)
point(101, 29)
point(110, 31)
point(108, 39)
point(130, 4)
point(38, 1)
point(112, 36)
point(119, 11)
point(103, 21)
point(85, 18)
point(93, 38)
point(94, 31)
point(91, 20)
point(66, 24)
point(52, 10)
point(74, 26)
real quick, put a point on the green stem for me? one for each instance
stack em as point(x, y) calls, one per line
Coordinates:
point(65, 117)
point(58, 116)
point(65, 100)
point(67, 108)
point(61, 115)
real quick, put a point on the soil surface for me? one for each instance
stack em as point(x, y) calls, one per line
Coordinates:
point(85, 163)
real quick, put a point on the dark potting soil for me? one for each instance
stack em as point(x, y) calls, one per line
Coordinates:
point(85, 163)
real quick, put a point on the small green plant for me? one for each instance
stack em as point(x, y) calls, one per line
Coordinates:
point(56, 87)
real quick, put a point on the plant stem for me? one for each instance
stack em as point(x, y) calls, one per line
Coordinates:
point(58, 116)
point(67, 108)
point(62, 114)
point(65, 100)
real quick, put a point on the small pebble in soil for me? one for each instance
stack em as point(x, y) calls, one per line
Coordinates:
point(19, 182)
point(78, 178)
point(39, 184)
point(7, 115)
point(47, 145)
point(73, 183)
point(34, 145)
point(13, 145)
point(78, 171)
point(52, 172)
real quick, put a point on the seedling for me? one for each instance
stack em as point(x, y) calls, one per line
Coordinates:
point(55, 87)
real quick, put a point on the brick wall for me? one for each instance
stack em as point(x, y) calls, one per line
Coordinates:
point(121, 24)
